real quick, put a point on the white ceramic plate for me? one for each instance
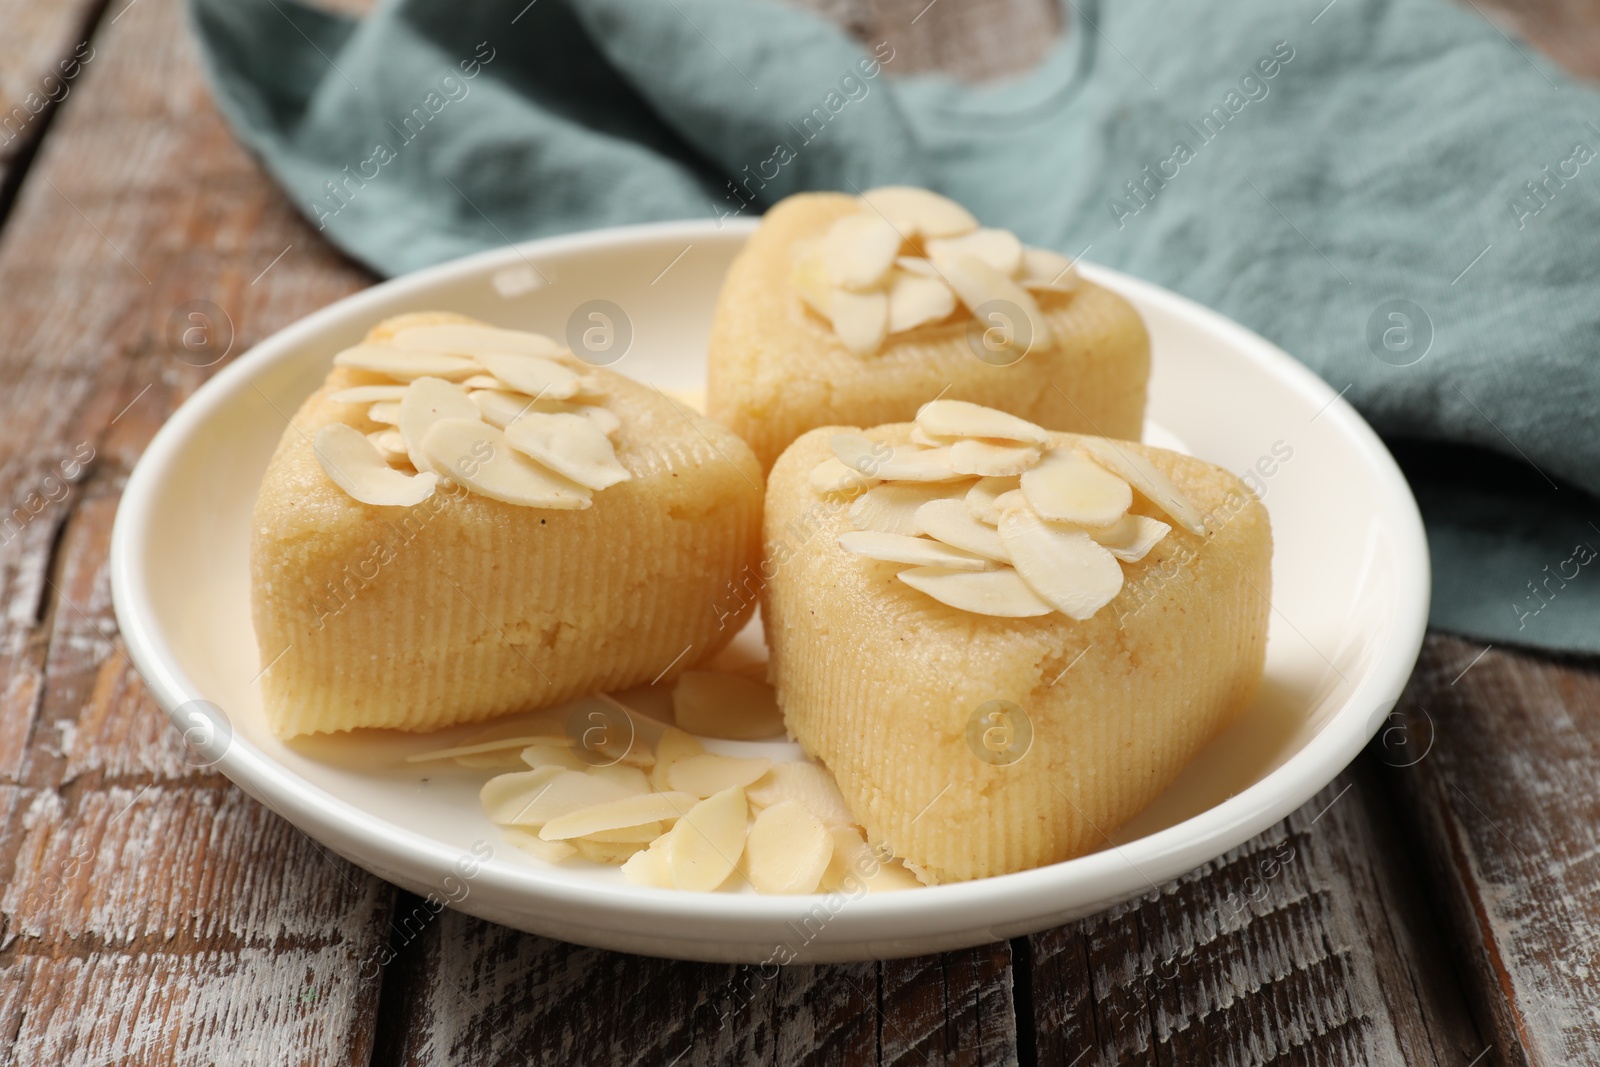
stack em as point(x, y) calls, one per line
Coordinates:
point(1350, 588)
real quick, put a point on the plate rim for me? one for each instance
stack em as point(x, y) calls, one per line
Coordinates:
point(1040, 894)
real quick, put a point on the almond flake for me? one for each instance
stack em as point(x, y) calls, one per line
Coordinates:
point(858, 250)
point(390, 445)
point(787, 851)
point(917, 265)
point(893, 508)
point(534, 375)
point(612, 854)
point(950, 522)
point(630, 778)
point(710, 773)
point(505, 796)
point(983, 498)
point(478, 456)
point(479, 747)
point(705, 846)
point(860, 319)
point(536, 756)
point(549, 851)
point(920, 212)
point(892, 876)
point(1010, 501)
point(617, 814)
point(811, 281)
point(481, 381)
point(978, 283)
point(404, 366)
point(915, 300)
point(1050, 271)
point(1061, 564)
point(604, 418)
point(919, 436)
point(917, 551)
point(471, 340)
point(501, 407)
point(570, 445)
point(648, 868)
point(1131, 537)
point(998, 248)
point(850, 863)
point(878, 459)
point(368, 394)
point(674, 745)
point(960, 418)
point(357, 467)
point(533, 798)
point(726, 706)
point(386, 412)
point(1000, 592)
point(1068, 487)
point(832, 476)
point(1145, 477)
point(992, 459)
point(427, 401)
point(643, 834)
point(806, 784)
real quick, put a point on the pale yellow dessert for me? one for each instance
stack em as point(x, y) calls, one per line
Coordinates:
point(465, 522)
point(1000, 670)
point(846, 310)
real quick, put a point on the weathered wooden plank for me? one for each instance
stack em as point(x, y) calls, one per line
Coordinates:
point(43, 51)
point(1505, 807)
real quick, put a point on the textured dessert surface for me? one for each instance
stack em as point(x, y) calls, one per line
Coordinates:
point(463, 608)
point(777, 369)
point(894, 691)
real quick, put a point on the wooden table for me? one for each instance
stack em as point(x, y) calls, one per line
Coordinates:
point(1436, 904)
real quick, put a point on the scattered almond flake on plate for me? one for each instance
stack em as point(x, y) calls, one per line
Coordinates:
point(1144, 476)
point(357, 467)
point(861, 320)
point(534, 375)
point(478, 456)
point(512, 744)
point(916, 212)
point(1131, 537)
point(610, 853)
point(481, 381)
point(727, 706)
point(892, 876)
point(1068, 487)
point(978, 283)
point(915, 300)
point(832, 476)
point(404, 366)
point(998, 248)
point(805, 783)
point(505, 796)
point(787, 851)
point(949, 522)
point(570, 445)
point(705, 845)
point(533, 801)
point(674, 745)
point(916, 265)
point(1050, 271)
point(710, 773)
point(643, 834)
point(983, 498)
point(648, 868)
point(858, 250)
point(850, 863)
point(549, 851)
point(536, 756)
point(961, 418)
point(1062, 565)
point(368, 394)
point(386, 412)
point(916, 551)
point(893, 508)
point(992, 459)
point(633, 779)
point(472, 339)
point(427, 401)
point(1000, 592)
point(616, 814)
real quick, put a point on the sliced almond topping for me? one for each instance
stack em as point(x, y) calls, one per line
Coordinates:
point(537, 756)
point(470, 339)
point(616, 814)
point(501, 407)
point(917, 551)
point(858, 250)
point(390, 445)
point(534, 375)
point(571, 445)
point(920, 212)
point(959, 418)
point(481, 381)
point(428, 400)
point(630, 778)
point(727, 706)
point(1131, 537)
point(1009, 502)
point(357, 467)
point(983, 498)
point(917, 265)
point(832, 476)
point(808, 785)
point(914, 300)
point(860, 319)
point(386, 412)
point(992, 459)
point(893, 508)
point(710, 773)
point(610, 853)
point(648, 868)
point(368, 394)
point(978, 283)
point(949, 521)
point(788, 850)
point(478, 456)
point(505, 796)
point(674, 745)
point(878, 459)
point(1067, 487)
point(1044, 269)
point(705, 846)
point(533, 798)
point(1062, 565)
point(549, 851)
point(404, 366)
point(919, 436)
point(643, 834)
point(811, 280)
point(474, 748)
point(998, 248)
point(1145, 477)
point(604, 418)
point(1000, 592)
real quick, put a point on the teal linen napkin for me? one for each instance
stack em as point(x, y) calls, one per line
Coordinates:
point(1391, 190)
